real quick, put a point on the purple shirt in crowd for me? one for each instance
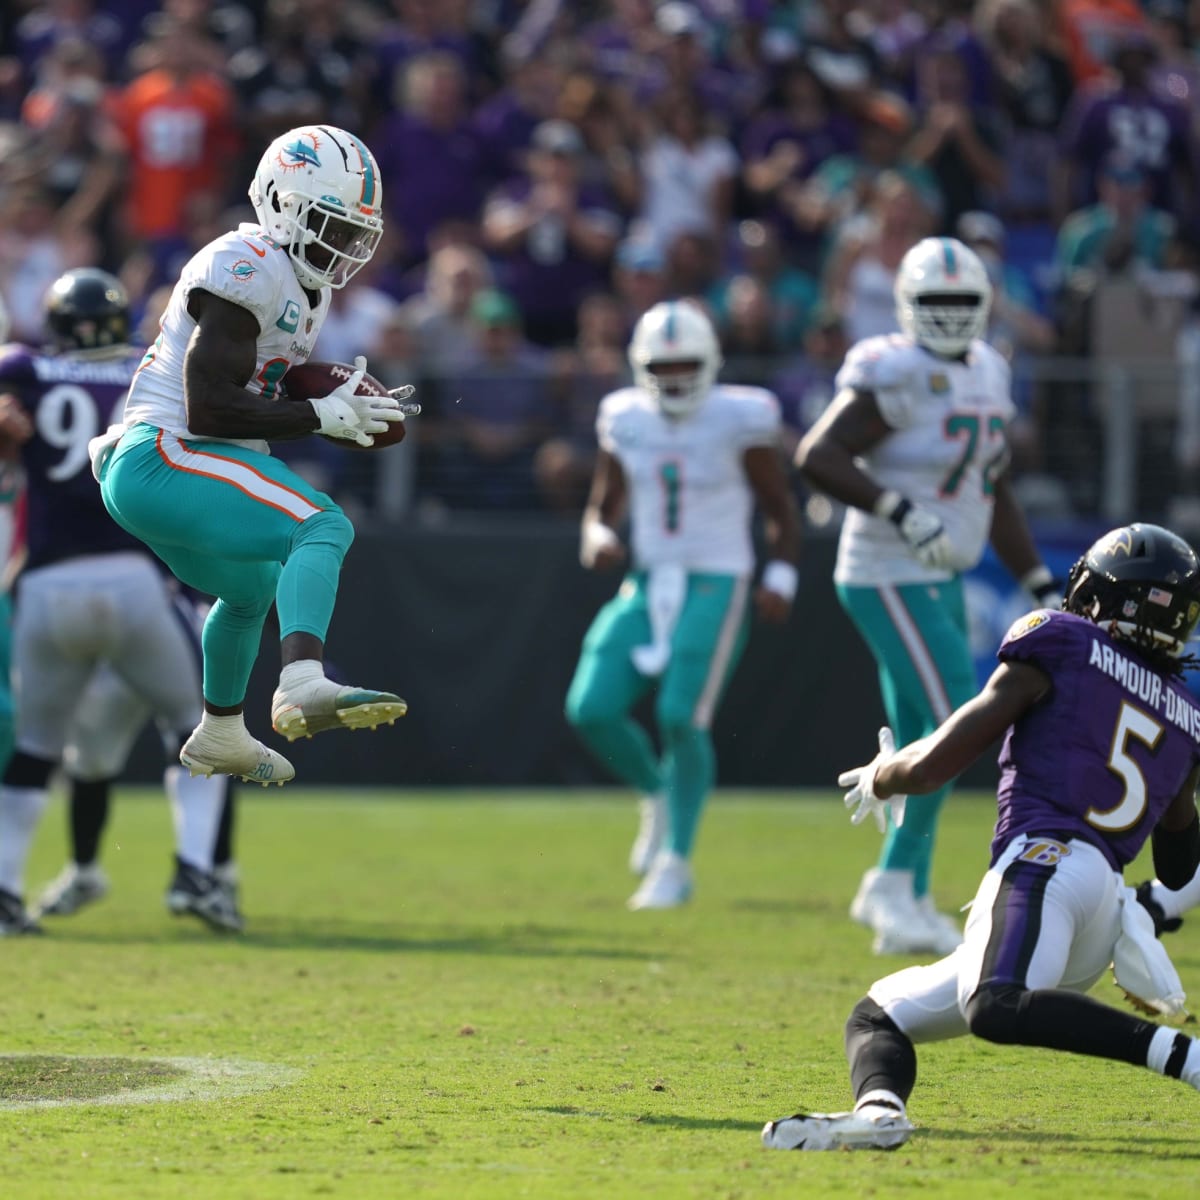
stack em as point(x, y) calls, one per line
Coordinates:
point(1103, 755)
point(1153, 131)
point(70, 399)
point(438, 177)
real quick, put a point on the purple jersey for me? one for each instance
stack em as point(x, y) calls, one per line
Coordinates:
point(70, 399)
point(1104, 754)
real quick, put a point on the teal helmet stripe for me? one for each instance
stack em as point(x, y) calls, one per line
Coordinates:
point(368, 165)
point(951, 262)
point(669, 327)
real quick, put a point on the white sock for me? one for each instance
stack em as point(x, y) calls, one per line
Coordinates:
point(1176, 1054)
point(297, 673)
point(1175, 904)
point(230, 730)
point(880, 1096)
point(196, 810)
point(20, 810)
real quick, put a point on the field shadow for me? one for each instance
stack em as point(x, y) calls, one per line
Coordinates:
point(381, 937)
point(663, 1120)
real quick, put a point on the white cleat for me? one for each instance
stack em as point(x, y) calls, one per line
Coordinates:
point(652, 825)
point(320, 704)
point(668, 883)
point(878, 892)
point(872, 1127)
point(943, 928)
point(73, 888)
point(246, 757)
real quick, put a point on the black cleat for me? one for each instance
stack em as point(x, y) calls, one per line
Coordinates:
point(198, 893)
point(1162, 923)
point(14, 917)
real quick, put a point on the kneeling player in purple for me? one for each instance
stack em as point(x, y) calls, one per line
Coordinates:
point(1101, 753)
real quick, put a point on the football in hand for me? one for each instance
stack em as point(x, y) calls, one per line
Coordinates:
point(309, 379)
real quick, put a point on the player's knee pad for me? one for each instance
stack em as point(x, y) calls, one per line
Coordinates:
point(26, 771)
point(994, 1012)
point(330, 527)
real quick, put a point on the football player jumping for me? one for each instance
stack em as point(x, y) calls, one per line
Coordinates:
point(189, 472)
point(1101, 752)
point(914, 442)
point(689, 457)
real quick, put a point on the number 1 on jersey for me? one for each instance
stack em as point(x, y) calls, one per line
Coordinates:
point(670, 474)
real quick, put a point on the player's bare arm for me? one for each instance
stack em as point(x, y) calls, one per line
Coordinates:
point(15, 425)
point(849, 427)
point(601, 548)
point(931, 762)
point(219, 363)
point(1014, 546)
point(1175, 841)
point(765, 474)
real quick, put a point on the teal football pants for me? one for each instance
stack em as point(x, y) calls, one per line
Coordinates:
point(918, 635)
point(708, 641)
point(239, 525)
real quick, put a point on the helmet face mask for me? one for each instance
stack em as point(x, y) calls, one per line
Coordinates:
point(1142, 583)
point(675, 356)
point(943, 296)
point(317, 193)
point(87, 309)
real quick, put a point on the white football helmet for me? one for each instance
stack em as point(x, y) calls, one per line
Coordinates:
point(317, 193)
point(675, 331)
point(943, 295)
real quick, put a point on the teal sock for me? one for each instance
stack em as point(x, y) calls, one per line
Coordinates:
point(624, 747)
point(308, 583)
point(910, 848)
point(689, 774)
point(230, 640)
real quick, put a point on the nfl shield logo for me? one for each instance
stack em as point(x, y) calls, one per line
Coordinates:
point(939, 384)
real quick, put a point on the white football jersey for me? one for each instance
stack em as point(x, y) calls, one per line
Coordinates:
point(948, 448)
point(248, 268)
point(689, 500)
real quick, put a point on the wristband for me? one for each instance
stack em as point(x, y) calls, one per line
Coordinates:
point(596, 536)
point(1039, 582)
point(892, 506)
point(781, 578)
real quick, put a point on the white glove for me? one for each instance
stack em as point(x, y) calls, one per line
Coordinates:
point(921, 529)
point(345, 414)
point(861, 800)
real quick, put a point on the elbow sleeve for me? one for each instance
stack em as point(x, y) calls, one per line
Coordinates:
point(1176, 853)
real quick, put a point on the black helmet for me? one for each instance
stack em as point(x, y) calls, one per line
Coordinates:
point(1143, 581)
point(87, 309)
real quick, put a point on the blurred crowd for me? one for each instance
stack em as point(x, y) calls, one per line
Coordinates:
point(551, 168)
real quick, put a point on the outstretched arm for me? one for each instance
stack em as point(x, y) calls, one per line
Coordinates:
point(850, 426)
point(765, 473)
point(932, 762)
point(1014, 546)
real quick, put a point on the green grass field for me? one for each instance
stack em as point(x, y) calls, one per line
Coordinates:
point(451, 1000)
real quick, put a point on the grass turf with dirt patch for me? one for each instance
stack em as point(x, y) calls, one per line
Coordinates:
point(469, 1012)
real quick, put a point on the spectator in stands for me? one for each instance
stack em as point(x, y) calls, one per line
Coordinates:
point(693, 265)
point(552, 236)
point(34, 251)
point(688, 170)
point(961, 146)
point(45, 26)
point(305, 68)
point(606, 118)
point(639, 281)
point(440, 316)
point(582, 376)
point(844, 61)
point(791, 294)
point(860, 277)
point(1015, 326)
point(429, 148)
point(178, 122)
point(1032, 87)
point(785, 144)
point(805, 384)
point(1091, 28)
point(841, 187)
point(71, 147)
point(1176, 70)
point(496, 412)
point(1120, 231)
point(748, 339)
point(1123, 113)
